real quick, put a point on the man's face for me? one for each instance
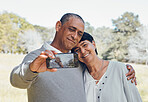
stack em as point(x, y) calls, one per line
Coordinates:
point(70, 33)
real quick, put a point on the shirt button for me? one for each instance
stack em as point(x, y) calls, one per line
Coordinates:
point(99, 89)
point(106, 77)
point(102, 83)
point(98, 96)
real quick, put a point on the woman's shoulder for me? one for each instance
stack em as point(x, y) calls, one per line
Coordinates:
point(119, 66)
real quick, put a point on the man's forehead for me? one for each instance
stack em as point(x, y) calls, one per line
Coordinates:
point(76, 23)
point(74, 20)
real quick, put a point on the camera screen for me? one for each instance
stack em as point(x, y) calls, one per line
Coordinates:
point(63, 60)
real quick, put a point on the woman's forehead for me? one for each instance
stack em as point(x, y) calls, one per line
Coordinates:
point(83, 42)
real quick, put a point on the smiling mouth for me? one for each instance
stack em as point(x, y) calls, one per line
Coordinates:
point(85, 55)
point(71, 41)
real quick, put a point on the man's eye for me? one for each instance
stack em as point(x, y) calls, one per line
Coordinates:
point(70, 29)
point(80, 34)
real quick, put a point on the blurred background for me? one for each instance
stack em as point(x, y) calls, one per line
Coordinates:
point(120, 29)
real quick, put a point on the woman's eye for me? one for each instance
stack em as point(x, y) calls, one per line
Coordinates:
point(76, 50)
point(84, 45)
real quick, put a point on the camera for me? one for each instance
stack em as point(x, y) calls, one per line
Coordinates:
point(63, 60)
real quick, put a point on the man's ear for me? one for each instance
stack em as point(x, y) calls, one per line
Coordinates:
point(93, 42)
point(58, 25)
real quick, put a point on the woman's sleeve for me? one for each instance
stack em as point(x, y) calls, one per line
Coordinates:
point(130, 89)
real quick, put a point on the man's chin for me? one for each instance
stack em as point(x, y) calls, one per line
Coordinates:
point(70, 46)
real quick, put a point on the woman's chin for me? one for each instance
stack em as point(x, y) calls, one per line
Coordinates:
point(86, 61)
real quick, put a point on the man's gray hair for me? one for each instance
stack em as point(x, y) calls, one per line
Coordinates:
point(66, 17)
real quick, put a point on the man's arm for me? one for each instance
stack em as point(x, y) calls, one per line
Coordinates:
point(131, 74)
point(130, 89)
point(23, 75)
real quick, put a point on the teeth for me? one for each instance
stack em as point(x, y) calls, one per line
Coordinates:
point(86, 55)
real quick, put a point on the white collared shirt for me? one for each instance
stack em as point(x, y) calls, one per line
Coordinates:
point(112, 87)
point(91, 88)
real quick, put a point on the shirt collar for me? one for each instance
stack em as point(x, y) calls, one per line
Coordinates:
point(49, 47)
point(87, 77)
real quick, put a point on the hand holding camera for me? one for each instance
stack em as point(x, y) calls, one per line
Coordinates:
point(39, 64)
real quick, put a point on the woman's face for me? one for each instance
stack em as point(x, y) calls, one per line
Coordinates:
point(86, 51)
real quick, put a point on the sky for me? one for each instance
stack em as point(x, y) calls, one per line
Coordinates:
point(97, 12)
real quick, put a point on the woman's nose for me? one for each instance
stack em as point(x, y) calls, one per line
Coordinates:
point(82, 50)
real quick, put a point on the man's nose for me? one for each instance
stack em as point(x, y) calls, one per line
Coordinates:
point(74, 35)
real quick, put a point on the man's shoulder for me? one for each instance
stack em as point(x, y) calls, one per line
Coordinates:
point(33, 54)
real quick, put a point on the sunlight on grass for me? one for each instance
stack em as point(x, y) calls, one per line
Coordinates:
point(142, 79)
point(7, 92)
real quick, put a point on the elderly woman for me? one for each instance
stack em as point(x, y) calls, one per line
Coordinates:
point(105, 81)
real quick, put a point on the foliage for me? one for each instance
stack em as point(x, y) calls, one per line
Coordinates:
point(103, 37)
point(138, 47)
point(126, 26)
point(10, 26)
point(47, 34)
point(29, 40)
point(89, 28)
point(19, 36)
point(8, 33)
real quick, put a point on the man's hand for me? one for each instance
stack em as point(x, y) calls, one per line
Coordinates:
point(131, 74)
point(39, 64)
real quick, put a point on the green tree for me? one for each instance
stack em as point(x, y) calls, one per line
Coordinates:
point(30, 40)
point(8, 32)
point(138, 47)
point(89, 28)
point(103, 37)
point(10, 26)
point(46, 34)
point(125, 26)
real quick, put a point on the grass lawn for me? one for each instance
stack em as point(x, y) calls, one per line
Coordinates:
point(12, 94)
